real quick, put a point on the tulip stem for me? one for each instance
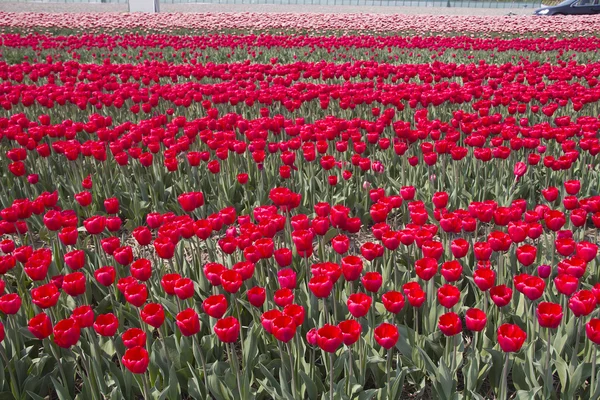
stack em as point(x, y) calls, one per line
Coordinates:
point(235, 368)
point(292, 369)
point(330, 376)
point(504, 383)
point(389, 373)
point(146, 386)
point(576, 348)
point(548, 355)
point(593, 377)
point(60, 367)
point(350, 371)
point(455, 343)
point(312, 363)
point(13, 381)
point(202, 360)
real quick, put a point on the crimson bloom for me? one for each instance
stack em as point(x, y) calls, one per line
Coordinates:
point(386, 335)
point(329, 338)
point(66, 333)
point(549, 315)
point(188, 322)
point(450, 324)
point(136, 360)
point(227, 329)
point(40, 326)
point(359, 304)
point(511, 338)
point(475, 319)
point(106, 324)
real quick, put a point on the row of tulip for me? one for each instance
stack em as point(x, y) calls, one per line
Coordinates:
point(295, 229)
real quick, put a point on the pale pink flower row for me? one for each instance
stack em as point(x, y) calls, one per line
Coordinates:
point(311, 22)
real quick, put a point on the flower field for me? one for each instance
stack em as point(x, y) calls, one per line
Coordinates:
point(296, 206)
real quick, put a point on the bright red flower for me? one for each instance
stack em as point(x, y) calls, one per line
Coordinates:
point(386, 335)
point(136, 360)
point(511, 338)
point(227, 329)
point(66, 333)
point(188, 322)
point(329, 338)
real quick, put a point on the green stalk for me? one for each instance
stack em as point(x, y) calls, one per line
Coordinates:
point(593, 377)
point(389, 373)
point(504, 383)
point(330, 376)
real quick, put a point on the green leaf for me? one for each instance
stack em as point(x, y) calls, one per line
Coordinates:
point(61, 391)
point(34, 396)
point(447, 383)
point(311, 388)
point(529, 394)
point(368, 394)
point(562, 370)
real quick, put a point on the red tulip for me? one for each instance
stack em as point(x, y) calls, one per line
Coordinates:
point(386, 335)
point(136, 294)
point(142, 235)
point(141, 269)
point(283, 297)
point(184, 288)
point(592, 330)
point(320, 286)
point(451, 270)
point(287, 278)
point(372, 281)
point(566, 284)
point(68, 236)
point(352, 267)
point(359, 304)
point(416, 297)
point(111, 205)
point(95, 225)
point(188, 322)
point(426, 268)
point(484, 278)
point(136, 360)
point(393, 301)
point(550, 193)
point(256, 296)
point(66, 333)
point(75, 259)
point(511, 338)
point(164, 248)
point(227, 329)
point(134, 337)
point(84, 315)
point(153, 314)
point(572, 187)
point(283, 257)
point(231, 281)
point(106, 324)
point(549, 315)
point(582, 303)
point(74, 284)
point(44, 296)
point(283, 328)
point(475, 319)
point(40, 326)
point(501, 295)
point(448, 295)
point(526, 254)
point(351, 331)
point(329, 338)
point(450, 324)
point(267, 318)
